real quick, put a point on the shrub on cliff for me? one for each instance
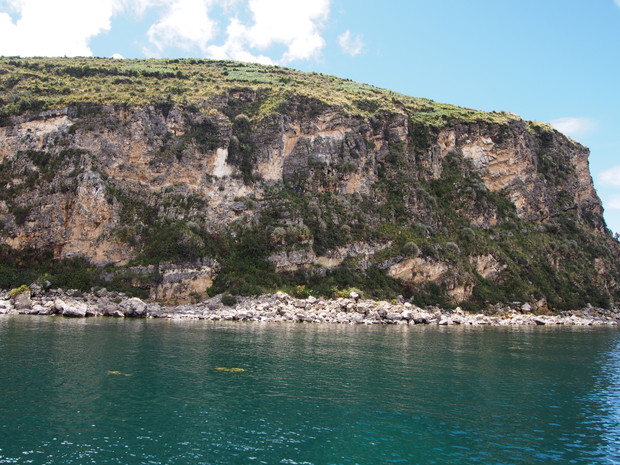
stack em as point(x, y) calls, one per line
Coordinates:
point(301, 291)
point(19, 290)
point(229, 300)
point(410, 249)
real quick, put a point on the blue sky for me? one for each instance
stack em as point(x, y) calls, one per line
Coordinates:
point(548, 60)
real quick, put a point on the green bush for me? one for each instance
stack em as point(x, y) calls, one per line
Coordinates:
point(346, 293)
point(301, 291)
point(19, 290)
point(229, 300)
point(410, 249)
point(21, 214)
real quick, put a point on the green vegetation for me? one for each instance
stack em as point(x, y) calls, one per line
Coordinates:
point(241, 151)
point(410, 249)
point(36, 266)
point(19, 290)
point(229, 300)
point(37, 84)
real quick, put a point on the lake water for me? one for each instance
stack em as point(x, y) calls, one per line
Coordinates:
point(106, 391)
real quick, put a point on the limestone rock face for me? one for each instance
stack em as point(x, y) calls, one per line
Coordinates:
point(192, 196)
point(179, 282)
point(79, 212)
point(513, 160)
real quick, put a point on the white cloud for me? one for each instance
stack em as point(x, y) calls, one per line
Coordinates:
point(58, 28)
point(186, 24)
point(118, 56)
point(65, 27)
point(573, 126)
point(351, 45)
point(611, 177)
point(140, 6)
point(614, 203)
point(294, 24)
point(618, 2)
point(235, 46)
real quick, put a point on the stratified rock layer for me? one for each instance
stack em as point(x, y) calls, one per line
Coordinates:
point(232, 191)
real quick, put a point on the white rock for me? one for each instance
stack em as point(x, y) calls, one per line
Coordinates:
point(75, 310)
point(133, 307)
point(39, 309)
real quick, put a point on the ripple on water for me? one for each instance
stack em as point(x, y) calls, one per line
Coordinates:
point(307, 394)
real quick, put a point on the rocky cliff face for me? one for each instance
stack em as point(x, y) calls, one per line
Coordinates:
point(308, 195)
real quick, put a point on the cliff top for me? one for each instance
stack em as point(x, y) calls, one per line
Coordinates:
point(37, 84)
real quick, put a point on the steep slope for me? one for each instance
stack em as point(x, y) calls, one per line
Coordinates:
point(179, 178)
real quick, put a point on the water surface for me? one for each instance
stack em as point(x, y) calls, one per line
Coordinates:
point(106, 391)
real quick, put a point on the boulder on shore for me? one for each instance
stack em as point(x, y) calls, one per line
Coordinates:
point(73, 309)
point(133, 307)
point(23, 302)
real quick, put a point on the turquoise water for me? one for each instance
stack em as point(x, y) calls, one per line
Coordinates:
point(106, 391)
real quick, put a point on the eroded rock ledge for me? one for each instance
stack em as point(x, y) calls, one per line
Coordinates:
point(281, 307)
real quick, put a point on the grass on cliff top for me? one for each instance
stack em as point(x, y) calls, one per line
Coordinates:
point(37, 84)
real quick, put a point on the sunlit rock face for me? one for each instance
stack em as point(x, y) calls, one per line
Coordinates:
point(463, 203)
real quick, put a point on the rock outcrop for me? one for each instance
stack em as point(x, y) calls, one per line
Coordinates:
point(252, 187)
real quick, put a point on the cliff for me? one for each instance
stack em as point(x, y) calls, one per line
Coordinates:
point(184, 178)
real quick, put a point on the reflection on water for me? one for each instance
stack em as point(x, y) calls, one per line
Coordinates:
point(150, 391)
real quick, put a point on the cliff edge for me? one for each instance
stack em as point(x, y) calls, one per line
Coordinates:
point(178, 179)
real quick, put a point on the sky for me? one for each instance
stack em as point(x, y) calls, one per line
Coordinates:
point(556, 61)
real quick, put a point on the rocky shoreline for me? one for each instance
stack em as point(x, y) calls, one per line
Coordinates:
point(281, 307)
